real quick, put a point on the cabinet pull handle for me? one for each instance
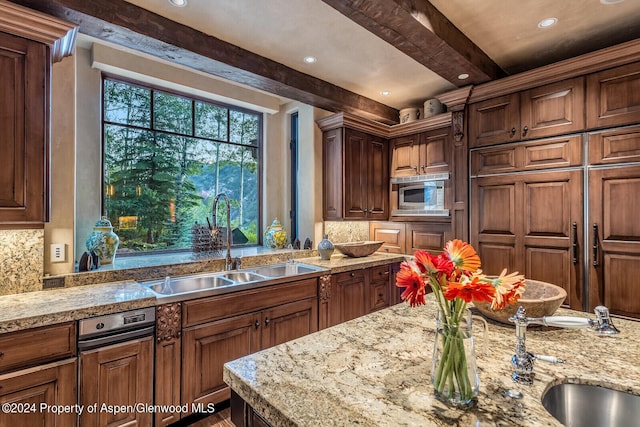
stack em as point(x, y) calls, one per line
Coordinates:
point(513, 131)
point(386, 273)
point(257, 324)
point(595, 245)
point(266, 321)
point(525, 130)
point(575, 242)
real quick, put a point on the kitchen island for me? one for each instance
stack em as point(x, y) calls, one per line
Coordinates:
point(375, 371)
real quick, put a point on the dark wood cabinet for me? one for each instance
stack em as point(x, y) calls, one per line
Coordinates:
point(427, 152)
point(612, 97)
point(222, 328)
point(356, 175)
point(51, 384)
point(614, 239)
point(168, 356)
point(531, 223)
point(28, 42)
point(379, 288)
point(553, 109)
point(349, 296)
point(117, 375)
point(408, 237)
point(391, 233)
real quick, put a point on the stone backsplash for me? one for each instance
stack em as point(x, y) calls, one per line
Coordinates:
point(21, 261)
point(346, 231)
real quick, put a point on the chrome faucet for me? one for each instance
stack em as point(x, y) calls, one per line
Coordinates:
point(522, 361)
point(229, 264)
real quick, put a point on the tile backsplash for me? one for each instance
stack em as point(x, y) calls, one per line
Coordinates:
point(21, 261)
point(346, 231)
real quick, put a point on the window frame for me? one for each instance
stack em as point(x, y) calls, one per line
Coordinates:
point(193, 98)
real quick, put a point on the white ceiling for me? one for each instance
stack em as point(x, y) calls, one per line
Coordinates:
point(350, 57)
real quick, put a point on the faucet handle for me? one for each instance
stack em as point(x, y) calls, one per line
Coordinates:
point(604, 325)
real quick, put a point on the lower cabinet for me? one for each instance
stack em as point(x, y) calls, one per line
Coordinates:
point(26, 390)
point(212, 335)
point(117, 375)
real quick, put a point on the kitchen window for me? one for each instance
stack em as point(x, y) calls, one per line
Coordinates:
point(166, 156)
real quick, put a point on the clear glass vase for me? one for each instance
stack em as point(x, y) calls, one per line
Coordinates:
point(454, 374)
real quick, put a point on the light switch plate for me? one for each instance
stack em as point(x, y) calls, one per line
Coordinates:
point(58, 252)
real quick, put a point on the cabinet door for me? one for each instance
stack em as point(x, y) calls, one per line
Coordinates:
point(531, 223)
point(613, 97)
point(332, 174)
point(380, 287)
point(289, 321)
point(428, 236)
point(23, 131)
point(51, 384)
point(621, 145)
point(119, 374)
point(614, 233)
point(168, 361)
point(404, 157)
point(391, 233)
point(349, 296)
point(355, 175)
point(494, 121)
point(377, 179)
point(552, 109)
point(206, 348)
point(434, 151)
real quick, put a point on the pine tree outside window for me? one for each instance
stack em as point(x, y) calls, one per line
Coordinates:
point(166, 157)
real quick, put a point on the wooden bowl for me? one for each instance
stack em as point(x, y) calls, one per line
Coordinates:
point(358, 249)
point(539, 299)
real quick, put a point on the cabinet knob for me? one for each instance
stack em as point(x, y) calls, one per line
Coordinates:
point(423, 168)
point(266, 321)
point(525, 130)
point(513, 131)
point(415, 168)
point(1, 354)
point(353, 274)
point(257, 324)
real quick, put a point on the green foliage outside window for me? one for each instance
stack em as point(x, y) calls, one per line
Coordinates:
point(166, 157)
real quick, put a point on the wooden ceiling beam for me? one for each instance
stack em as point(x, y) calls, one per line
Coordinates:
point(125, 24)
point(419, 30)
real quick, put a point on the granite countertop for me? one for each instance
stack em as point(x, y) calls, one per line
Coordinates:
point(41, 308)
point(375, 371)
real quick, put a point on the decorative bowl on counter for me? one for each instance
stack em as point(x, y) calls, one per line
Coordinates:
point(358, 249)
point(539, 299)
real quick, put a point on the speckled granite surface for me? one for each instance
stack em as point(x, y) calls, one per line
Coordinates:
point(33, 309)
point(21, 260)
point(375, 371)
point(339, 263)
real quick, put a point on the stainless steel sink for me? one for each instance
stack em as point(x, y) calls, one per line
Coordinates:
point(180, 285)
point(242, 276)
point(281, 270)
point(591, 405)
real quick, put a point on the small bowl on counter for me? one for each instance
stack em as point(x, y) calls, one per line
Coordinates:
point(358, 249)
point(539, 299)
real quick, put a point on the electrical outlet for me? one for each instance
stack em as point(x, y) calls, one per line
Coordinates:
point(58, 252)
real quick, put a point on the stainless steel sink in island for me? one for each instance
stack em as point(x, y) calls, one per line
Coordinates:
point(375, 371)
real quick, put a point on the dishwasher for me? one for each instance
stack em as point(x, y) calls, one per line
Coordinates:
point(115, 369)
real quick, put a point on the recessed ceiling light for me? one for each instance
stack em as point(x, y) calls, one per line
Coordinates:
point(310, 59)
point(611, 1)
point(545, 23)
point(385, 93)
point(463, 76)
point(178, 3)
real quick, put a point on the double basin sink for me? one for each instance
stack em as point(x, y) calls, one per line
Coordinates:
point(204, 284)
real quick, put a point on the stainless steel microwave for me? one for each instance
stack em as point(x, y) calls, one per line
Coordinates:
point(421, 195)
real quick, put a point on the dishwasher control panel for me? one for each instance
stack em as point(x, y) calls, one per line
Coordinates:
point(111, 323)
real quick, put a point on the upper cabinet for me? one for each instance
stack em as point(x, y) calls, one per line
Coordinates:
point(553, 109)
point(356, 175)
point(29, 41)
point(613, 97)
point(421, 153)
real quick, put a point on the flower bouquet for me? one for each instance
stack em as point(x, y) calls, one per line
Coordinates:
point(455, 278)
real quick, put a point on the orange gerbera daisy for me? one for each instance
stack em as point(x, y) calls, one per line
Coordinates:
point(470, 290)
point(413, 283)
point(509, 289)
point(462, 255)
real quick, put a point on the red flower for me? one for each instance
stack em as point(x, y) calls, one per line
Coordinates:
point(470, 290)
point(414, 286)
point(434, 264)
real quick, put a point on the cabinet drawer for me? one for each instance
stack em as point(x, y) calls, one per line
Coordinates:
point(391, 233)
point(218, 307)
point(380, 273)
point(349, 276)
point(615, 146)
point(36, 346)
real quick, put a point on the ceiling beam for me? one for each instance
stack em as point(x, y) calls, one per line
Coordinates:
point(419, 30)
point(125, 24)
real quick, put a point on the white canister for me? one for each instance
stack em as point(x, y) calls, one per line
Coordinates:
point(408, 115)
point(433, 107)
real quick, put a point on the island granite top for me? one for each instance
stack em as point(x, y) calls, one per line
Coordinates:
point(375, 371)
